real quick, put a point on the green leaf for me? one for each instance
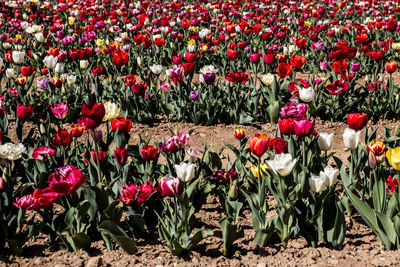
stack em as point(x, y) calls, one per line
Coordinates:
point(115, 232)
point(230, 233)
point(81, 240)
point(263, 235)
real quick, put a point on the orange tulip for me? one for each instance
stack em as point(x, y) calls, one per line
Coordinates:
point(259, 144)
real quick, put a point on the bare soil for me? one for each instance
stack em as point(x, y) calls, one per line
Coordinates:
point(361, 247)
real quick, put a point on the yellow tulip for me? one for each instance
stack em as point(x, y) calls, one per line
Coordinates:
point(393, 156)
point(263, 167)
point(71, 20)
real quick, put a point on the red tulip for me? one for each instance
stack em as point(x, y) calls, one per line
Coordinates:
point(391, 66)
point(258, 144)
point(279, 145)
point(149, 152)
point(159, 41)
point(120, 58)
point(233, 55)
point(65, 181)
point(340, 66)
point(76, 130)
point(139, 88)
point(27, 71)
point(303, 127)
point(298, 61)
point(121, 124)
point(284, 70)
point(190, 57)
point(269, 58)
point(357, 121)
point(37, 200)
point(61, 138)
point(93, 114)
point(121, 155)
point(24, 112)
point(286, 126)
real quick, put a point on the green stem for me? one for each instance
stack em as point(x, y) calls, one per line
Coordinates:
point(304, 151)
point(96, 148)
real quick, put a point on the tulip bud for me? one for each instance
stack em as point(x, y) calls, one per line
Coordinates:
point(97, 136)
point(42, 129)
point(233, 192)
point(372, 159)
point(2, 185)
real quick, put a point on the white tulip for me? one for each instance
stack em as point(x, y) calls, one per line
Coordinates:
point(330, 174)
point(11, 73)
point(71, 79)
point(83, 64)
point(11, 151)
point(317, 183)
point(6, 45)
point(50, 61)
point(59, 67)
point(267, 79)
point(306, 94)
point(156, 69)
point(282, 164)
point(185, 171)
point(325, 141)
point(112, 111)
point(351, 138)
point(39, 36)
point(18, 57)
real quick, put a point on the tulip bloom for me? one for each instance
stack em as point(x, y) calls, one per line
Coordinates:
point(239, 133)
point(357, 121)
point(222, 176)
point(377, 147)
point(284, 70)
point(303, 128)
point(120, 58)
point(60, 111)
point(76, 130)
point(279, 145)
point(66, 180)
point(391, 66)
point(392, 184)
point(298, 61)
point(306, 94)
point(286, 126)
point(93, 114)
point(171, 186)
point(351, 138)
point(325, 141)
point(185, 171)
point(149, 152)
point(258, 144)
point(140, 194)
point(24, 112)
point(61, 138)
point(263, 167)
point(121, 124)
point(43, 150)
point(37, 200)
point(121, 155)
point(393, 157)
point(282, 164)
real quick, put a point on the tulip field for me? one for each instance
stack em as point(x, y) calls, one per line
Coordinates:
point(199, 132)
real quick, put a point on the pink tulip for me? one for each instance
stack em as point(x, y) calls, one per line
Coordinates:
point(303, 127)
point(60, 111)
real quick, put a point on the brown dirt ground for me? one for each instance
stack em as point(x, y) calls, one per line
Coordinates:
point(361, 247)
